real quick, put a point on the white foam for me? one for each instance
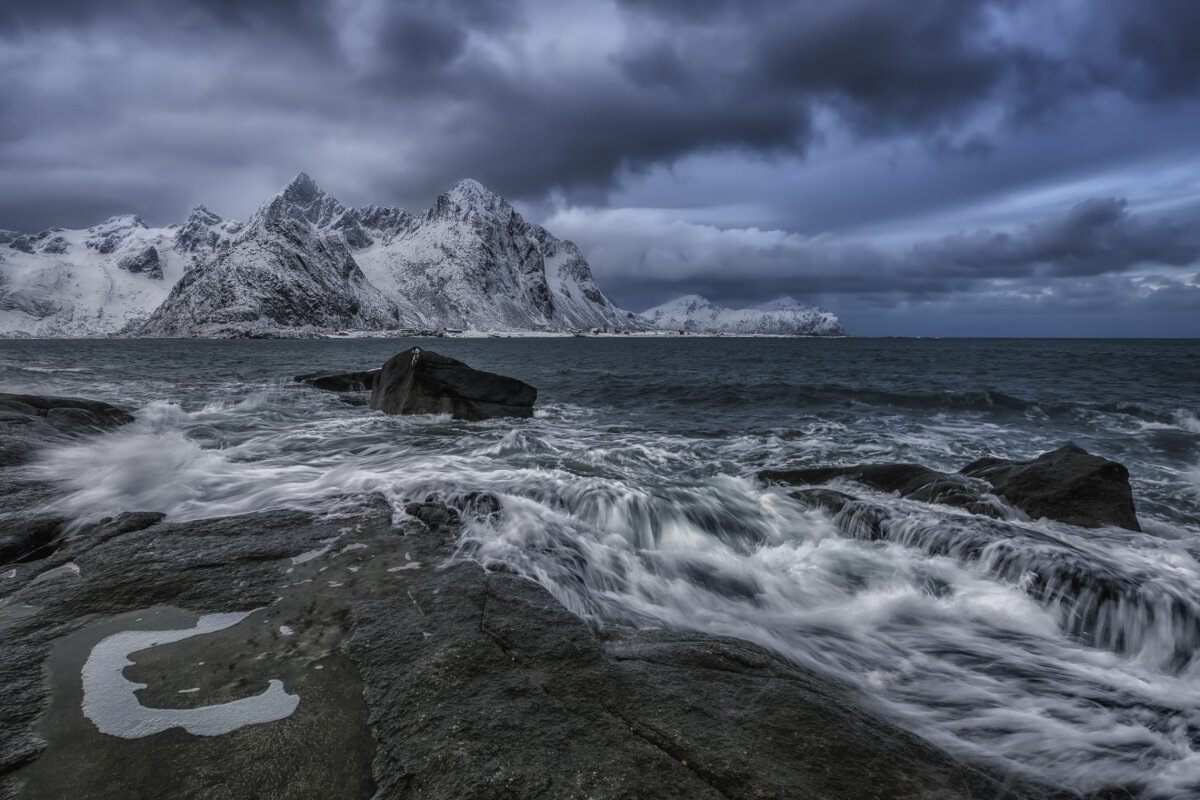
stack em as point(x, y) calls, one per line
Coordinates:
point(110, 700)
point(70, 568)
point(304, 558)
point(285, 630)
point(409, 565)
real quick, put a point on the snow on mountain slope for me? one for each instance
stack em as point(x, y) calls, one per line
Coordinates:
point(471, 261)
point(92, 282)
point(288, 270)
point(783, 316)
point(304, 263)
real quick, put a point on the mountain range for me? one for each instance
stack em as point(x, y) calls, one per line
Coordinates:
point(306, 264)
point(784, 316)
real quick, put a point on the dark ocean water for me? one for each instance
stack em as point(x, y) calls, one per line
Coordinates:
point(631, 496)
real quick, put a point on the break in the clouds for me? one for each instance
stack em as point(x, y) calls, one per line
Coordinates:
point(943, 166)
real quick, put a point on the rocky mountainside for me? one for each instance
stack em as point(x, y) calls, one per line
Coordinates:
point(103, 279)
point(289, 268)
point(303, 264)
point(471, 261)
point(784, 316)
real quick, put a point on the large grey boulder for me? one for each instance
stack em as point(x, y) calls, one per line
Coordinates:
point(424, 382)
point(1068, 484)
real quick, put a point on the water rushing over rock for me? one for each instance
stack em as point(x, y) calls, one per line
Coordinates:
point(1037, 648)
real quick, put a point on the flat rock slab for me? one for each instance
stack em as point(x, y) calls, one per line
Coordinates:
point(419, 675)
point(424, 382)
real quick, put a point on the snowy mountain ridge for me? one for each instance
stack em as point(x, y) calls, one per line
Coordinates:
point(98, 280)
point(304, 263)
point(784, 316)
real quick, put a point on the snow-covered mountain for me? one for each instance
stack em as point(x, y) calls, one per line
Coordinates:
point(784, 316)
point(99, 280)
point(302, 264)
point(471, 261)
point(289, 269)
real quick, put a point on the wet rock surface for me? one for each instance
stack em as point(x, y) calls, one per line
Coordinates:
point(29, 423)
point(421, 381)
point(1067, 485)
point(361, 381)
point(419, 675)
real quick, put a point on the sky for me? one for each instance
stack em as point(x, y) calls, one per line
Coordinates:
point(925, 168)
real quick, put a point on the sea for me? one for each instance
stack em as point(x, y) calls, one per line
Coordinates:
point(631, 495)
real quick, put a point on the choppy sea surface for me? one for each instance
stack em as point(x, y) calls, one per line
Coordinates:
point(631, 496)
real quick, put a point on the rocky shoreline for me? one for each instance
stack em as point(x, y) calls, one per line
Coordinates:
point(419, 673)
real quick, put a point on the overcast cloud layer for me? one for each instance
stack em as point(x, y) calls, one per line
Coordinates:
point(943, 167)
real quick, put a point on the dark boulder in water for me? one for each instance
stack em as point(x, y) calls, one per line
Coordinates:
point(66, 414)
point(1068, 484)
point(29, 421)
point(362, 381)
point(424, 382)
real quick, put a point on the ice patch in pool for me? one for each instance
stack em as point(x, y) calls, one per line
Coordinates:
point(109, 699)
point(304, 558)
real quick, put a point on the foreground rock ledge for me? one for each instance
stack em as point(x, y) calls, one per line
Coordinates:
point(424, 382)
point(418, 677)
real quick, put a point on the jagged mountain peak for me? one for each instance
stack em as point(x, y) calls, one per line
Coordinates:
point(302, 190)
point(300, 199)
point(119, 222)
point(469, 188)
point(205, 233)
point(470, 196)
point(201, 214)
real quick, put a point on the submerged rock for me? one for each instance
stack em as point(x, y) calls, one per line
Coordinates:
point(1068, 484)
point(362, 381)
point(424, 382)
point(911, 481)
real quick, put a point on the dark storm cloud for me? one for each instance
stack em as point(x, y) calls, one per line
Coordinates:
point(1079, 258)
point(1092, 238)
point(1163, 40)
point(749, 77)
point(307, 20)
